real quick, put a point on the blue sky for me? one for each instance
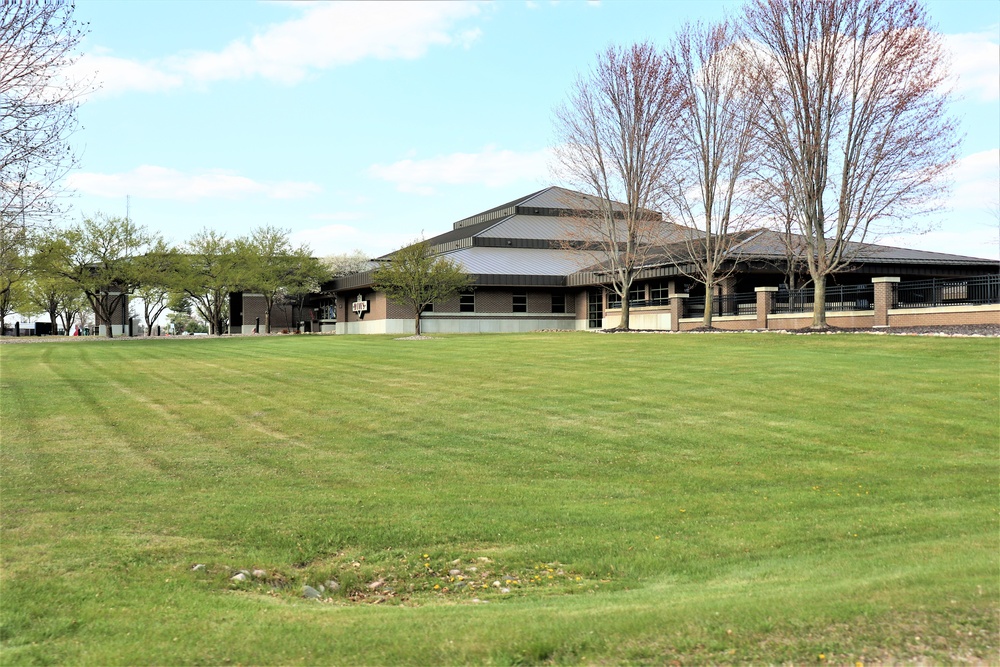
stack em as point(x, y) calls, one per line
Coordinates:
point(366, 126)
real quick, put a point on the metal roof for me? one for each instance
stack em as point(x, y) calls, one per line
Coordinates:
point(521, 261)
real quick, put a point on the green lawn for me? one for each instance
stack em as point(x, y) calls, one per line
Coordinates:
point(698, 498)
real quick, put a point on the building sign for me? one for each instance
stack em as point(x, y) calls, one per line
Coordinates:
point(360, 307)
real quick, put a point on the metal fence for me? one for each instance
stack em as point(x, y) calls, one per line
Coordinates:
point(975, 291)
point(742, 303)
point(839, 298)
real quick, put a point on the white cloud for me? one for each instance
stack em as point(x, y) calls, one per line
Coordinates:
point(490, 167)
point(113, 75)
point(323, 36)
point(977, 181)
point(336, 239)
point(976, 63)
point(153, 182)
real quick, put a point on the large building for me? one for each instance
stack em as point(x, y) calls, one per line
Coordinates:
point(535, 268)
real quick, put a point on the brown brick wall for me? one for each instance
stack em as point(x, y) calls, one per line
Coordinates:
point(494, 301)
point(988, 315)
point(539, 302)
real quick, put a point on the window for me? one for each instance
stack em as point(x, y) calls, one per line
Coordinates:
point(558, 303)
point(659, 293)
point(637, 293)
point(429, 308)
point(520, 304)
point(467, 302)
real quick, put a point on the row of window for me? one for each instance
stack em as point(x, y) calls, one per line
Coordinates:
point(658, 294)
point(467, 304)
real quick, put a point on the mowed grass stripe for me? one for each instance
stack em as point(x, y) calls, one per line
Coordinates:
point(721, 498)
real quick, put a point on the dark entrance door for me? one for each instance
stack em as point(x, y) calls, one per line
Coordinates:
point(595, 309)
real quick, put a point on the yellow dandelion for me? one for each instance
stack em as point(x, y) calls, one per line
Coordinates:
point(426, 556)
point(436, 586)
point(657, 537)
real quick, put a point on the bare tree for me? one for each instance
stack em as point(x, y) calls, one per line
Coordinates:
point(615, 142)
point(855, 115)
point(38, 103)
point(709, 188)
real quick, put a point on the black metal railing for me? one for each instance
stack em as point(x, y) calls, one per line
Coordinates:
point(979, 290)
point(839, 298)
point(741, 303)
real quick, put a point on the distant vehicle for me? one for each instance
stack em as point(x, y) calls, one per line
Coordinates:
point(202, 333)
point(185, 333)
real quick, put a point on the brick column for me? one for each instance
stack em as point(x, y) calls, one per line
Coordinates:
point(676, 310)
point(765, 299)
point(883, 300)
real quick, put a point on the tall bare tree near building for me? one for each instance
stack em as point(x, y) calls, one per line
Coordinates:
point(709, 189)
point(615, 142)
point(855, 115)
point(38, 103)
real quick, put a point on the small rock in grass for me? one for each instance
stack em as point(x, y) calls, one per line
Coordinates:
point(460, 584)
point(239, 576)
point(332, 585)
point(457, 561)
point(198, 568)
point(259, 574)
point(454, 572)
point(310, 592)
point(496, 584)
point(505, 590)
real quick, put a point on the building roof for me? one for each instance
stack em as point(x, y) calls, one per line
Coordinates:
point(538, 239)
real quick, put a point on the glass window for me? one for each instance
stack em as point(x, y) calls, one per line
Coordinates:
point(659, 293)
point(520, 304)
point(429, 308)
point(467, 302)
point(637, 293)
point(558, 303)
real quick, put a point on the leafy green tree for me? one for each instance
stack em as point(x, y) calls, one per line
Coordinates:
point(272, 267)
point(414, 277)
point(160, 270)
point(14, 266)
point(208, 269)
point(100, 257)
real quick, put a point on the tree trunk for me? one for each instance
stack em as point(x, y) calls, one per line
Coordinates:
point(416, 323)
point(267, 321)
point(706, 318)
point(624, 324)
point(819, 303)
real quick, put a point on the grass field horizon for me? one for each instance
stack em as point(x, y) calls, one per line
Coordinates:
point(501, 499)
